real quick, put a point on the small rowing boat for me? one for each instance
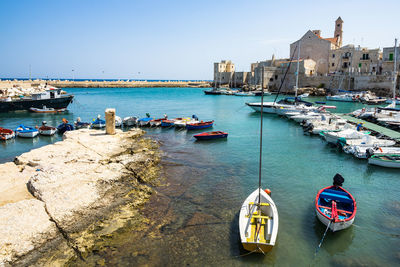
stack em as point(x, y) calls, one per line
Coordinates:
point(118, 121)
point(335, 207)
point(130, 121)
point(167, 123)
point(210, 135)
point(387, 160)
point(144, 121)
point(47, 130)
point(64, 127)
point(26, 132)
point(6, 134)
point(258, 222)
point(156, 122)
point(199, 125)
point(47, 110)
point(98, 123)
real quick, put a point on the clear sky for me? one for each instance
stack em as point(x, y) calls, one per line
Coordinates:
point(148, 39)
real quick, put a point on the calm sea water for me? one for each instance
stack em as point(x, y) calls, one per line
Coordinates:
point(216, 177)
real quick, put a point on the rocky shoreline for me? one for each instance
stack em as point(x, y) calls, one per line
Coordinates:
point(57, 200)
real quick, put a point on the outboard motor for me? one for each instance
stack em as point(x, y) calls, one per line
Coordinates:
point(338, 180)
point(369, 152)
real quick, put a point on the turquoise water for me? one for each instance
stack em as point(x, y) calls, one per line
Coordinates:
point(217, 176)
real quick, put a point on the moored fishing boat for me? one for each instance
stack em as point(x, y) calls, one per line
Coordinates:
point(98, 123)
point(156, 122)
point(144, 122)
point(258, 216)
point(118, 121)
point(129, 121)
point(6, 134)
point(258, 222)
point(64, 127)
point(199, 125)
point(80, 125)
point(47, 130)
point(244, 94)
point(335, 207)
point(47, 110)
point(26, 132)
point(167, 123)
point(210, 135)
point(386, 160)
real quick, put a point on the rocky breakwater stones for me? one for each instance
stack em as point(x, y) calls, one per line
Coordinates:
point(77, 182)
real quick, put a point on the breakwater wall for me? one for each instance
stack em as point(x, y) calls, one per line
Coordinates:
point(95, 84)
point(56, 200)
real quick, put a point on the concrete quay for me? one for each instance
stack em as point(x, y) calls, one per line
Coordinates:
point(57, 199)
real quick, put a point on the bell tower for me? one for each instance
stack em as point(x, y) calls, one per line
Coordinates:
point(338, 31)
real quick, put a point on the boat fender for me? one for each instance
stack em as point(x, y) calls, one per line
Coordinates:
point(267, 191)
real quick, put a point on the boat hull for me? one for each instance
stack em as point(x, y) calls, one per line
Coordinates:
point(25, 104)
point(198, 127)
point(210, 137)
point(384, 163)
point(265, 239)
point(48, 132)
point(27, 134)
point(335, 226)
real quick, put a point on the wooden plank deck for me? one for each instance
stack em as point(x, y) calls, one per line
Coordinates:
point(374, 127)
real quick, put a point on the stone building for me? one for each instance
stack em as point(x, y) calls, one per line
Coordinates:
point(388, 60)
point(313, 46)
point(223, 72)
point(274, 71)
point(356, 60)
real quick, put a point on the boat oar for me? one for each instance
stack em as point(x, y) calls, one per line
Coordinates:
point(323, 237)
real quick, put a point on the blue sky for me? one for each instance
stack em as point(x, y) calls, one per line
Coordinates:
point(149, 39)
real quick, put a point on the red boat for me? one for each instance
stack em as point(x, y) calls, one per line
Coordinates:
point(6, 134)
point(211, 135)
point(199, 125)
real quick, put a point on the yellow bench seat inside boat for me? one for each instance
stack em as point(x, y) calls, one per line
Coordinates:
point(254, 225)
point(262, 204)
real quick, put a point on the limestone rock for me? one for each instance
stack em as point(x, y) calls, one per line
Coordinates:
point(24, 226)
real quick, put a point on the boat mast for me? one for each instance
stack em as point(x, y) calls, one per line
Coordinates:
point(297, 71)
point(261, 134)
point(394, 70)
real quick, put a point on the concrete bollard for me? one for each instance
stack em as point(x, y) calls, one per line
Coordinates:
point(110, 120)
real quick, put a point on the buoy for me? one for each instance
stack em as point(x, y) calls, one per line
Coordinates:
point(267, 191)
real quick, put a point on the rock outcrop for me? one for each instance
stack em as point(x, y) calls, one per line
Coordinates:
point(72, 185)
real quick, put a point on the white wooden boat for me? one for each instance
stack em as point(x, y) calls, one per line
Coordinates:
point(258, 224)
point(6, 134)
point(305, 95)
point(388, 161)
point(118, 121)
point(47, 130)
point(244, 94)
point(347, 134)
point(129, 121)
point(335, 207)
point(364, 152)
point(156, 122)
point(183, 121)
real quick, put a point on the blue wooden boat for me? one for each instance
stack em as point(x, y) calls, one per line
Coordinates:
point(98, 123)
point(210, 135)
point(144, 121)
point(27, 132)
point(199, 125)
point(335, 207)
point(65, 126)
